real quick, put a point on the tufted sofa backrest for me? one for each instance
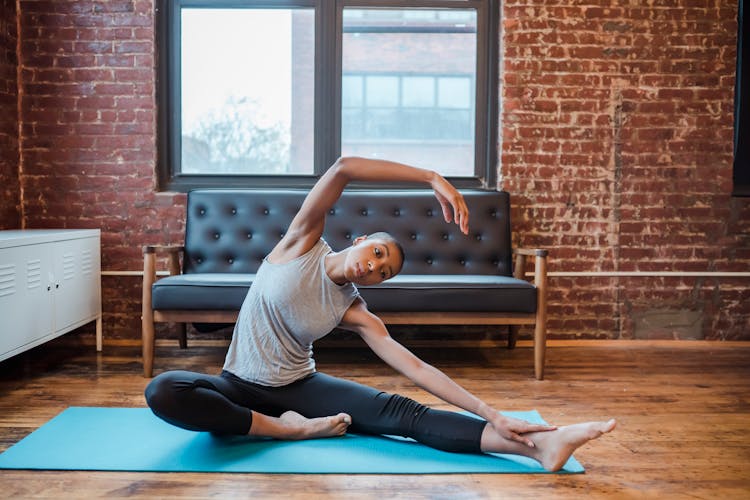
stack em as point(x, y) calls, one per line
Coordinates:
point(232, 230)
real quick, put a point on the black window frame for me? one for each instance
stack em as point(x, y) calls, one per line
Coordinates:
point(327, 93)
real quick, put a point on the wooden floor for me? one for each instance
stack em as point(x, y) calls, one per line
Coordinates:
point(683, 411)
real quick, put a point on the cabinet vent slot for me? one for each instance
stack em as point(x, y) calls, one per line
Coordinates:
point(7, 280)
point(33, 274)
point(69, 266)
point(87, 263)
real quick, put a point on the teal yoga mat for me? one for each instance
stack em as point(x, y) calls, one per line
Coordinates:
point(133, 439)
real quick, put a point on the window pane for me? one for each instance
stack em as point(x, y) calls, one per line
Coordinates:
point(351, 91)
point(419, 14)
point(381, 91)
point(419, 68)
point(454, 92)
point(247, 91)
point(419, 91)
point(456, 16)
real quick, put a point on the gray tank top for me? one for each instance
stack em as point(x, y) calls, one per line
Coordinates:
point(287, 308)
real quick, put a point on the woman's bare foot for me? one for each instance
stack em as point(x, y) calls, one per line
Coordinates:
point(555, 447)
point(300, 427)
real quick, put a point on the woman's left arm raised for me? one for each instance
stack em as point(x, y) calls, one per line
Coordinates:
point(307, 226)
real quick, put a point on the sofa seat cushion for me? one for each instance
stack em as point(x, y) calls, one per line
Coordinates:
point(404, 293)
point(201, 291)
point(451, 293)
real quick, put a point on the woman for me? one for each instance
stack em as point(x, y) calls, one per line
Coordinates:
point(269, 386)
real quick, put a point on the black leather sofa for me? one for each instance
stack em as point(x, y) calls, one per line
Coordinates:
point(447, 278)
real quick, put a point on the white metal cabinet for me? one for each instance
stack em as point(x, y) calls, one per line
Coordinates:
point(50, 284)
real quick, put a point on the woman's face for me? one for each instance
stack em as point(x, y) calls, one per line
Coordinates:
point(371, 261)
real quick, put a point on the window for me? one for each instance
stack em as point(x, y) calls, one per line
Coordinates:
point(270, 93)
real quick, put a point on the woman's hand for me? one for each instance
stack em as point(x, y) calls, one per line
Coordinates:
point(452, 202)
point(514, 429)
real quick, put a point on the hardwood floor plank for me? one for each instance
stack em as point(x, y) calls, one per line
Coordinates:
point(682, 410)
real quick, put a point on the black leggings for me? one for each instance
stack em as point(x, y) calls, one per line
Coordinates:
point(222, 405)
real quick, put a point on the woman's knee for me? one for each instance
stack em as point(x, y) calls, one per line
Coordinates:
point(404, 410)
point(162, 390)
point(387, 413)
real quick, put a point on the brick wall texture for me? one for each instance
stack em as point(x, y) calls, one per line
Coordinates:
point(615, 142)
point(9, 159)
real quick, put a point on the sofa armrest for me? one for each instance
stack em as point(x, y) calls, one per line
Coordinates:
point(540, 266)
point(149, 257)
point(541, 252)
point(163, 248)
point(149, 265)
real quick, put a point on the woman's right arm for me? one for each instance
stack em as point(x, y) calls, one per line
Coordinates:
point(374, 333)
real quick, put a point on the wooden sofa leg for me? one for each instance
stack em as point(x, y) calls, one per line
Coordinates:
point(513, 336)
point(148, 344)
point(540, 347)
point(540, 327)
point(182, 335)
point(147, 313)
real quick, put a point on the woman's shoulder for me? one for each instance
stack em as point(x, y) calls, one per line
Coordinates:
point(291, 248)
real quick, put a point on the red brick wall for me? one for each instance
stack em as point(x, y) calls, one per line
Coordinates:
point(89, 136)
point(616, 141)
point(9, 192)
